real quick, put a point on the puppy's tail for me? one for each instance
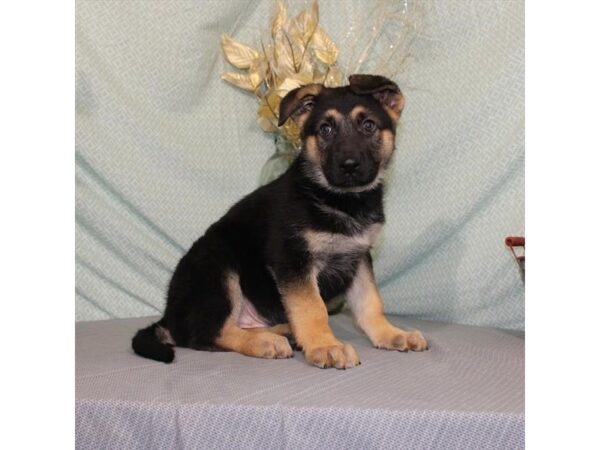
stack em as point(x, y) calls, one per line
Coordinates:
point(154, 342)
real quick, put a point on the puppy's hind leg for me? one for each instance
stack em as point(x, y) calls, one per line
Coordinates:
point(282, 329)
point(260, 342)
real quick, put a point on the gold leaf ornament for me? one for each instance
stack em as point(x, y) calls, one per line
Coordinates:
point(268, 111)
point(333, 77)
point(288, 85)
point(259, 67)
point(307, 22)
point(297, 52)
point(248, 82)
point(286, 56)
point(292, 132)
point(266, 119)
point(278, 19)
point(238, 54)
point(325, 49)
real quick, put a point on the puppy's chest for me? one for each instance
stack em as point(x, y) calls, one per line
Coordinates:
point(333, 252)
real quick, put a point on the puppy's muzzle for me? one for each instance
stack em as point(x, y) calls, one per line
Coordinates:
point(349, 166)
point(351, 169)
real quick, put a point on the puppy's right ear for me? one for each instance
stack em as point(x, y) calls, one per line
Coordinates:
point(385, 91)
point(298, 103)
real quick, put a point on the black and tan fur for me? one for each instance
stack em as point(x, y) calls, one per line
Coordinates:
point(297, 242)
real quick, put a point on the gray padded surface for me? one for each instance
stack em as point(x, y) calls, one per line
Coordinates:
point(466, 392)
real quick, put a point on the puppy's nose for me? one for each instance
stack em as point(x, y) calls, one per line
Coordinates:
point(349, 165)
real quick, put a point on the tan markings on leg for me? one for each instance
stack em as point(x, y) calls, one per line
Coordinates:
point(309, 321)
point(366, 305)
point(261, 344)
point(282, 329)
point(387, 145)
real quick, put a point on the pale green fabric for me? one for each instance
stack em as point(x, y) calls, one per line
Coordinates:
point(164, 148)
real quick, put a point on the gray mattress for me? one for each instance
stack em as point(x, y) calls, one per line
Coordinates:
point(466, 392)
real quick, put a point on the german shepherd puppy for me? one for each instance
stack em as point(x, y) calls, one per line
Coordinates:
point(282, 252)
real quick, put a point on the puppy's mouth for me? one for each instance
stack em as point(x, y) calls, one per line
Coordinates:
point(354, 182)
point(341, 181)
point(350, 176)
point(351, 180)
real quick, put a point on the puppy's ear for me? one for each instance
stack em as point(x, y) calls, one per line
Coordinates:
point(298, 103)
point(385, 91)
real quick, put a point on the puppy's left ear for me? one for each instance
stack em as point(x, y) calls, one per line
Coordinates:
point(384, 90)
point(298, 103)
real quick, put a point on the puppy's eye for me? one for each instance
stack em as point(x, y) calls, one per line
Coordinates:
point(369, 126)
point(325, 130)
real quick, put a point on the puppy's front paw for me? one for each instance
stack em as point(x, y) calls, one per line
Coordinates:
point(342, 356)
point(397, 339)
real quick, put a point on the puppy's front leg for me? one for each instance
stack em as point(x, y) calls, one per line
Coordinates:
point(367, 307)
point(309, 321)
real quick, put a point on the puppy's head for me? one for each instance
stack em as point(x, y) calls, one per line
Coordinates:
point(348, 133)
